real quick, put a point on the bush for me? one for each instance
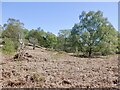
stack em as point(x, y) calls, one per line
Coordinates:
point(8, 47)
point(37, 77)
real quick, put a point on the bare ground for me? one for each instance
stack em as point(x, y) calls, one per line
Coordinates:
point(51, 69)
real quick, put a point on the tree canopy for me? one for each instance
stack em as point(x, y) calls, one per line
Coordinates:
point(94, 33)
point(91, 35)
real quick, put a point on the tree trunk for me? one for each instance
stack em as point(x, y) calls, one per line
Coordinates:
point(34, 46)
point(90, 52)
point(76, 49)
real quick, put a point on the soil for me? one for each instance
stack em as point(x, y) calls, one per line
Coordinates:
point(50, 69)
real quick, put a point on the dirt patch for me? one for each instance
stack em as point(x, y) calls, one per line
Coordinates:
point(51, 69)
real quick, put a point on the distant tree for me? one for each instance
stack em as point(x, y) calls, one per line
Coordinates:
point(39, 35)
point(13, 30)
point(25, 32)
point(51, 40)
point(33, 41)
point(44, 39)
point(63, 40)
point(75, 38)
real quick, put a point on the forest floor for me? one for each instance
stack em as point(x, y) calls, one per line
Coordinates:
point(50, 69)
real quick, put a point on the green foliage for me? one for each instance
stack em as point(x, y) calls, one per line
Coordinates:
point(8, 47)
point(51, 40)
point(108, 40)
point(75, 39)
point(63, 40)
point(44, 39)
point(25, 32)
point(94, 34)
point(13, 30)
point(118, 43)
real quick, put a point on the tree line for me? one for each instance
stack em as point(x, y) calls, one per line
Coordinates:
point(92, 35)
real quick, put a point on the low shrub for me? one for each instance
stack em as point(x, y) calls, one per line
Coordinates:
point(8, 47)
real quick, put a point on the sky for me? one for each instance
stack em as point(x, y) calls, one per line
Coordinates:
point(59, 0)
point(55, 16)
